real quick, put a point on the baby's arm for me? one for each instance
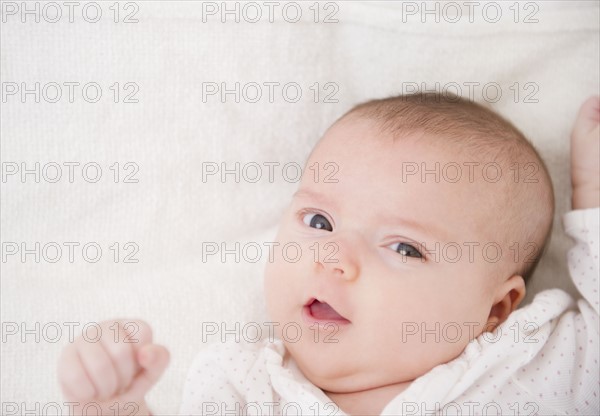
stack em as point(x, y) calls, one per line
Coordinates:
point(585, 151)
point(115, 373)
point(577, 333)
point(582, 223)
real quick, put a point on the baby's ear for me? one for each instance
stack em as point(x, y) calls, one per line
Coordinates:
point(508, 296)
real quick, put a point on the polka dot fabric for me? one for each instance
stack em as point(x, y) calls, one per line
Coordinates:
point(543, 360)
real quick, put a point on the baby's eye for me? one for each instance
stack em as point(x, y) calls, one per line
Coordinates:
point(406, 250)
point(317, 221)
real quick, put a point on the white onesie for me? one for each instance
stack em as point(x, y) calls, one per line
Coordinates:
point(542, 360)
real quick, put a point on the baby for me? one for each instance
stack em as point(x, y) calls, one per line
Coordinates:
point(423, 242)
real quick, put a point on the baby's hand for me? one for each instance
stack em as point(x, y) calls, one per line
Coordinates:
point(585, 155)
point(114, 373)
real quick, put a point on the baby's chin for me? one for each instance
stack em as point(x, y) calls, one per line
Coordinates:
point(338, 373)
point(345, 382)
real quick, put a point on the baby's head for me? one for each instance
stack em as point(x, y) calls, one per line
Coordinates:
point(420, 218)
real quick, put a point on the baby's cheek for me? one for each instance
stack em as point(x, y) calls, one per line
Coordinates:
point(271, 290)
point(279, 286)
point(452, 323)
point(463, 325)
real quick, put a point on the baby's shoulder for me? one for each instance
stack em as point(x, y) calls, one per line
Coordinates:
point(231, 374)
point(239, 357)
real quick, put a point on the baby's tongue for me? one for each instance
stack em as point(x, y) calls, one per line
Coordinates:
point(324, 311)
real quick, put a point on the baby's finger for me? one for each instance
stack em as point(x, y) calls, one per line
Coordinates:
point(119, 347)
point(100, 369)
point(139, 332)
point(153, 359)
point(72, 377)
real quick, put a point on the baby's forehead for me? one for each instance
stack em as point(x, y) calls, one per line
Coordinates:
point(498, 160)
point(362, 140)
point(491, 149)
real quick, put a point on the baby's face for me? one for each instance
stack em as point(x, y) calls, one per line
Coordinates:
point(402, 314)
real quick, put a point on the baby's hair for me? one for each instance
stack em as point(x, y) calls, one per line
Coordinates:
point(469, 128)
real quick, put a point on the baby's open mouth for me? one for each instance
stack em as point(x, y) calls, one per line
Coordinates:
point(322, 311)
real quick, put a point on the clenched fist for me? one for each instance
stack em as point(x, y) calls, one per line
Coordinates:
point(115, 372)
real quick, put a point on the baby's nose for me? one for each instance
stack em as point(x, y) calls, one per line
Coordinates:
point(338, 258)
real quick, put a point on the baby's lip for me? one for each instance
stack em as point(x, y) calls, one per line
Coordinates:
point(320, 310)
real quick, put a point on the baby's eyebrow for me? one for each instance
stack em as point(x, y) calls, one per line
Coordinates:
point(427, 229)
point(307, 193)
